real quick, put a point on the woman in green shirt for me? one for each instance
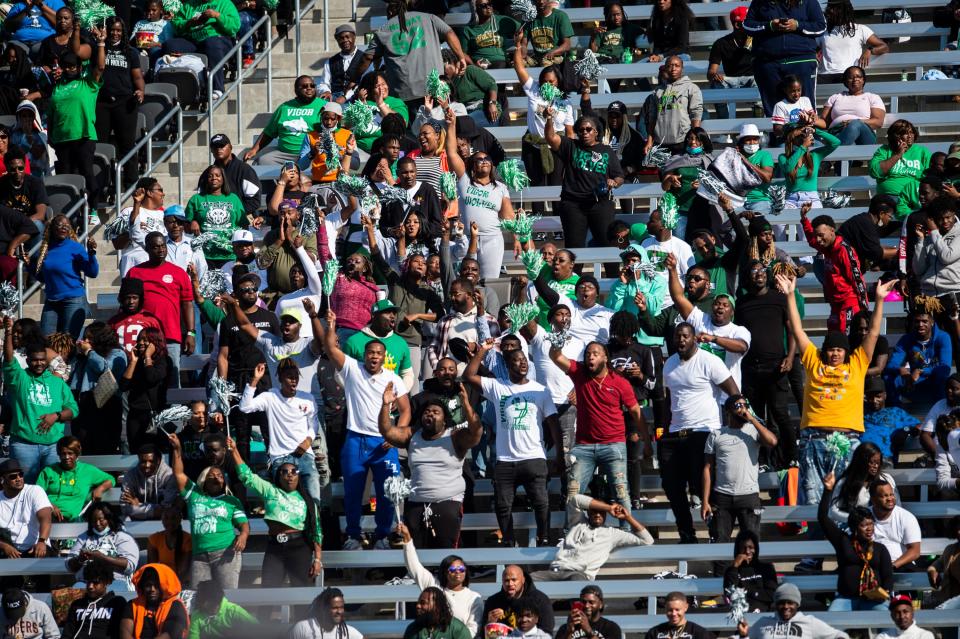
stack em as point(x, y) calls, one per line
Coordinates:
point(484, 39)
point(375, 92)
point(899, 165)
point(216, 210)
point(293, 524)
point(70, 483)
point(800, 164)
point(681, 175)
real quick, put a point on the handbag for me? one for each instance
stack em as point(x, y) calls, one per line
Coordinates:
point(105, 388)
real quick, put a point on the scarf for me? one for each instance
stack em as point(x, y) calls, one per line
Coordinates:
point(868, 578)
point(855, 273)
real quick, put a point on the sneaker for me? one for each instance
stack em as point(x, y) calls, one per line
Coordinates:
point(558, 236)
point(352, 544)
point(247, 61)
point(383, 544)
point(217, 95)
point(808, 565)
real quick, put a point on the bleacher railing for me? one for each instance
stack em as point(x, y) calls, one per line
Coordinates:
point(299, 12)
point(152, 164)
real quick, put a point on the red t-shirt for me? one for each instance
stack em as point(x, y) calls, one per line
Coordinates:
point(600, 406)
point(164, 287)
point(128, 327)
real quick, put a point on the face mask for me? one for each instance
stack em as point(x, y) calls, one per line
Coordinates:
point(751, 148)
point(69, 77)
point(101, 533)
point(694, 150)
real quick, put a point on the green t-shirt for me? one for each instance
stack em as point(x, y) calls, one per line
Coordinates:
point(292, 121)
point(285, 508)
point(686, 193)
point(31, 398)
point(220, 214)
point(806, 180)
point(69, 490)
point(564, 287)
point(227, 24)
point(546, 33)
point(73, 110)
point(212, 519)
point(612, 42)
point(473, 85)
point(398, 353)
point(903, 178)
point(763, 159)
point(489, 40)
point(365, 139)
point(229, 616)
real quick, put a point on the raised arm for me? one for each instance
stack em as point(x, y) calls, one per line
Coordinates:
point(876, 320)
point(471, 374)
point(520, 42)
point(397, 435)
point(558, 358)
point(176, 462)
point(243, 322)
point(787, 286)
point(7, 339)
point(549, 133)
point(684, 305)
point(464, 439)
point(453, 155)
point(337, 356)
point(100, 58)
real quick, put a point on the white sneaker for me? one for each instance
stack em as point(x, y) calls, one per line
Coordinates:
point(217, 95)
point(383, 544)
point(352, 544)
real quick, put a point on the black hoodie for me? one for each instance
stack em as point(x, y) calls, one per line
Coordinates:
point(505, 603)
point(758, 578)
point(242, 180)
point(94, 618)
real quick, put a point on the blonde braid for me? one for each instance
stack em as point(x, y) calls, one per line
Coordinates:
point(45, 244)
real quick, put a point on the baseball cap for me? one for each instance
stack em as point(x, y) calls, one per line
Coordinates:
point(897, 600)
point(738, 15)
point(247, 277)
point(175, 211)
point(333, 107)
point(382, 306)
point(9, 465)
point(15, 604)
point(873, 384)
point(219, 140)
point(289, 317)
point(617, 107)
point(344, 28)
point(242, 235)
point(749, 130)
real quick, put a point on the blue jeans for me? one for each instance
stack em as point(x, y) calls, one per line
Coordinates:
point(816, 463)
point(762, 207)
point(856, 132)
point(306, 465)
point(359, 454)
point(729, 109)
point(769, 75)
point(247, 20)
point(583, 461)
point(33, 457)
point(66, 315)
point(842, 604)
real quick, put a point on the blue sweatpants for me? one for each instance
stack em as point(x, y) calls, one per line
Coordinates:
point(359, 454)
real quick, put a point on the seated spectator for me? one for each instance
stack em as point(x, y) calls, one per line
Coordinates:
point(550, 34)
point(935, 263)
point(61, 264)
point(289, 190)
point(787, 611)
point(20, 84)
point(673, 108)
point(131, 319)
point(15, 229)
point(24, 616)
point(859, 327)
point(153, 32)
point(898, 165)
point(157, 609)
point(434, 619)
point(216, 209)
point(149, 487)
point(794, 109)
point(516, 587)
point(312, 156)
point(193, 435)
point(106, 543)
point(27, 511)
point(615, 38)
point(528, 620)
point(758, 578)
point(340, 69)
point(240, 176)
point(587, 620)
point(588, 544)
point(171, 546)
point(145, 382)
point(669, 32)
point(208, 26)
point(862, 232)
point(72, 484)
point(853, 486)
point(844, 44)
point(327, 617)
point(30, 24)
point(41, 404)
point(920, 363)
point(887, 427)
point(854, 115)
point(290, 123)
point(675, 608)
point(23, 192)
point(864, 572)
point(453, 579)
point(389, 112)
point(30, 136)
point(733, 53)
point(901, 612)
point(488, 36)
point(474, 88)
point(800, 164)
point(942, 573)
point(215, 616)
point(95, 615)
point(894, 526)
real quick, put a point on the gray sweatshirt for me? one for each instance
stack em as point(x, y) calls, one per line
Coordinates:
point(36, 623)
point(669, 110)
point(801, 626)
point(154, 492)
point(937, 262)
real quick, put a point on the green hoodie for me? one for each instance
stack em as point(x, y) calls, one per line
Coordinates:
point(220, 624)
point(32, 398)
point(227, 24)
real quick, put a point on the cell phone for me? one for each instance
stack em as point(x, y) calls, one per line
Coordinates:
point(577, 605)
point(289, 166)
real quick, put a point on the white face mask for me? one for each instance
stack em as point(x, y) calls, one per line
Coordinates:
point(751, 148)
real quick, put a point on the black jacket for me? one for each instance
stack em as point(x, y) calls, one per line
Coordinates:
point(95, 619)
point(758, 578)
point(505, 603)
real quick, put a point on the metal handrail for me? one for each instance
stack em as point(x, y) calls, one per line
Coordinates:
point(298, 14)
point(147, 140)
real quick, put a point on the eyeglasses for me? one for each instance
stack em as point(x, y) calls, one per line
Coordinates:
point(695, 278)
point(585, 129)
point(289, 471)
point(247, 289)
point(16, 168)
point(482, 160)
point(308, 86)
point(740, 405)
point(461, 568)
point(14, 475)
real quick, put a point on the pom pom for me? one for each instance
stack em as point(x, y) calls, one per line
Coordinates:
point(710, 182)
point(533, 261)
point(9, 300)
point(176, 415)
point(92, 13)
point(644, 269)
point(309, 221)
point(208, 239)
point(358, 187)
point(329, 280)
point(521, 225)
point(558, 338)
point(172, 6)
point(513, 174)
point(669, 211)
point(397, 488)
point(523, 10)
point(838, 446)
point(588, 67)
point(520, 314)
point(330, 149)
point(778, 198)
point(656, 157)
point(550, 93)
point(358, 117)
point(394, 194)
point(448, 185)
point(437, 88)
point(220, 393)
point(117, 227)
point(213, 283)
point(834, 199)
point(739, 605)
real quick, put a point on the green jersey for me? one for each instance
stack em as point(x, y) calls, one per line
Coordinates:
point(564, 287)
point(219, 214)
point(69, 490)
point(612, 42)
point(292, 121)
point(490, 40)
point(73, 110)
point(31, 398)
point(473, 85)
point(398, 353)
point(212, 519)
point(285, 508)
point(546, 33)
point(903, 178)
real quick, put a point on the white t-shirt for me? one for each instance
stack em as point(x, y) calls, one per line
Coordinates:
point(657, 251)
point(548, 373)
point(291, 419)
point(292, 304)
point(789, 112)
point(853, 107)
point(364, 394)
point(18, 515)
point(148, 221)
point(251, 267)
point(839, 50)
point(310, 629)
point(938, 409)
point(694, 392)
point(300, 351)
point(520, 411)
point(588, 324)
point(481, 203)
point(899, 530)
point(562, 117)
point(703, 323)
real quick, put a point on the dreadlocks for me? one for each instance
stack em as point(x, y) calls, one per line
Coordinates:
point(768, 256)
point(927, 304)
point(398, 8)
point(442, 614)
point(45, 244)
point(320, 609)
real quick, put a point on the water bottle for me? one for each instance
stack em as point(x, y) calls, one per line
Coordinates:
point(627, 57)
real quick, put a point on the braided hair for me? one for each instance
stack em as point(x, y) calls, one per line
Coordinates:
point(321, 605)
point(45, 244)
point(398, 8)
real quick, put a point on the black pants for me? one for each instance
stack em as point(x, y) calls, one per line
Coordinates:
point(768, 392)
point(119, 118)
point(532, 475)
point(681, 466)
point(241, 427)
point(579, 216)
point(440, 530)
point(77, 158)
point(138, 425)
point(530, 154)
point(287, 561)
point(729, 509)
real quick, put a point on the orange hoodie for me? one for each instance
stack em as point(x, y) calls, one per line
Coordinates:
point(169, 597)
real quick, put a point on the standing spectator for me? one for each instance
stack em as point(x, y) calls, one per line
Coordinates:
point(675, 609)
point(669, 33)
point(758, 578)
point(70, 483)
point(209, 26)
point(157, 609)
point(731, 62)
point(96, 615)
point(98, 426)
point(784, 42)
point(239, 176)
point(673, 108)
point(31, 23)
point(216, 209)
point(550, 34)
point(339, 69)
point(663, 242)
point(936, 261)
point(845, 43)
point(21, 191)
point(787, 611)
point(517, 587)
point(619, 136)
point(383, 320)
point(131, 319)
point(732, 453)
point(327, 617)
point(122, 93)
point(62, 261)
point(486, 39)
point(68, 37)
point(901, 612)
point(105, 543)
point(461, 323)
point(354, 294)
point(694, 378)
point(289, 125)
point(145, 382)
point(246, 262)
point(41, 403)
point(285, 249)
point(898, 166)
point(920, 362)
point(434, 619)
point(854, 115)
point(27, 514)
point(862, 231)
point(894, 526)
point(214, 514)
point(587, 621)
point(149, 487)
point(23, 616)
point(15, 229)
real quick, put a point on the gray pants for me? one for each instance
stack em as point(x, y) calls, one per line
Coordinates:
point(275, 156)
point(223, 566)
point(729, 110)
point(490, 256)
point(559, 574)
point(416, 361)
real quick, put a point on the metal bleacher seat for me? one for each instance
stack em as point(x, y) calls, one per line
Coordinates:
point(63, 192)
point(159, 98)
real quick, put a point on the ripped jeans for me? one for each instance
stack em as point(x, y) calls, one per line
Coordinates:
point(582, 461)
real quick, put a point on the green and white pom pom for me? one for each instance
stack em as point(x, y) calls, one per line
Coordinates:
point(778, 198)
point(177, 415)
point(838, 446)
point(208, 239)
point(834, 199)
point(739, 605)
point(9, 300)
point(92, 13)
point(213, 283)
point(358, 117)
point(533, 261)
point(514, 174)
point(309, 221)
point(669, 211)
point(329, 279)
point(220, 392)
point(588, 67)
point(550, 93)
point(521, 226)
point(710, 182)
point(523, 10)
point(520, 314)
point(437, 88)
point(390, 194)
point(559, 338)
point(116, 228)
point(353, 185)
point(448, 185)
point(330, 148)
point(656, 156)
point(172, 6)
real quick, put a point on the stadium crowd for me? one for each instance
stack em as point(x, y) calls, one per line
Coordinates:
point(331, 326)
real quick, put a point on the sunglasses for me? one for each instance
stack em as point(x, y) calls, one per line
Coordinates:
point(289, 471)
point(482, 160)
point(457, 569)
point(740, 405)
point(695, 278)
point(3, 136)
point(14, 475)
point(308, 86)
